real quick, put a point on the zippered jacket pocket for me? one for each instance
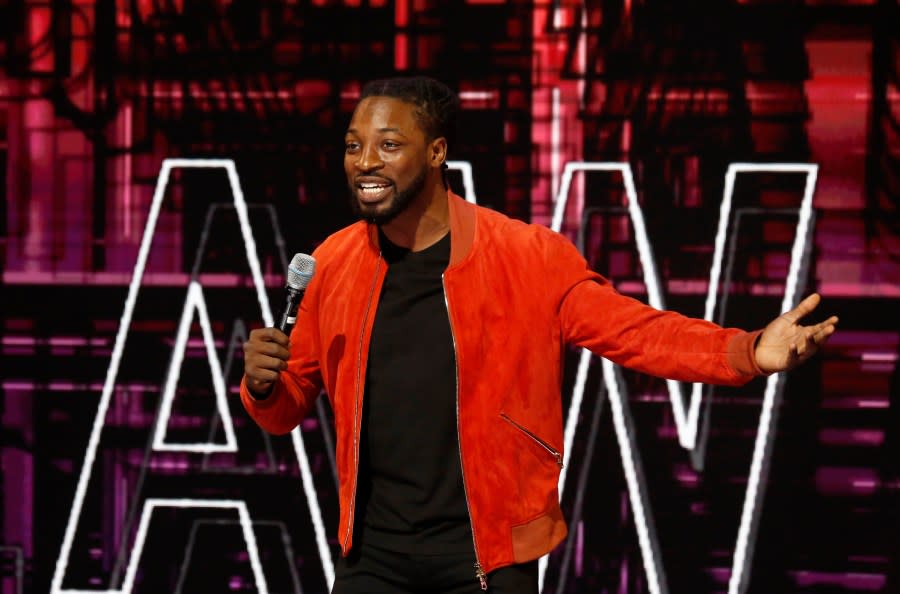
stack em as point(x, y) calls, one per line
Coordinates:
point(546, 446)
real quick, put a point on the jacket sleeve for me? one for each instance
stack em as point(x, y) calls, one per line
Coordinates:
point(298, 386)
point(665, 344)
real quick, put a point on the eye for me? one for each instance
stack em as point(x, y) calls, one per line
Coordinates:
point(351, 146)
point(390, 144)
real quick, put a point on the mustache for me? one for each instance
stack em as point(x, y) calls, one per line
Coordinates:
point(372, 178)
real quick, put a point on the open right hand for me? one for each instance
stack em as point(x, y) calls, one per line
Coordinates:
point(266, 354)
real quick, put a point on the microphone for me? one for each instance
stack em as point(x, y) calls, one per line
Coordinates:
point(300, 272)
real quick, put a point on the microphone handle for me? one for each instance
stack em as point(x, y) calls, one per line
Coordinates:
point(289, 315)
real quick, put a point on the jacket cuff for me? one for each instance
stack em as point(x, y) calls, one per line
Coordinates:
point(255, 402)
point(741, 353)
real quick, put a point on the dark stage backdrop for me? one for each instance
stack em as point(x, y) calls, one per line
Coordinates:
point(162, 160)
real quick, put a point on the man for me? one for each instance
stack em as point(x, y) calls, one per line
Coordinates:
point(437, 329)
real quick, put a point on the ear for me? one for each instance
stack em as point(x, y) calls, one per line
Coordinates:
point(437, 152)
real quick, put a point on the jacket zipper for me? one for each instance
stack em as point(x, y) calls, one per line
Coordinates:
point(480, 575)
point(356, 405)
point(550, 449)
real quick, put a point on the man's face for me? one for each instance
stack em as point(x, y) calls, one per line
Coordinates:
point(385, 158)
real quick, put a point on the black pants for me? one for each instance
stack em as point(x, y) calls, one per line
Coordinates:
point(370, 570)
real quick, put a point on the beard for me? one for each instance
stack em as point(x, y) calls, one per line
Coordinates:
point(397, 203)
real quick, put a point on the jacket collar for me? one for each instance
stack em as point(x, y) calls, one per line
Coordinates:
point(462, 229)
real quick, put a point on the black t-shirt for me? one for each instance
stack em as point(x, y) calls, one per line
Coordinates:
point(411, 496)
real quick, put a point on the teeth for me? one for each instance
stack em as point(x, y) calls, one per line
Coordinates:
point(371, 190)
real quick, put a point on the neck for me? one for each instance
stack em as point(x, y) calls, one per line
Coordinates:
point(424, 223)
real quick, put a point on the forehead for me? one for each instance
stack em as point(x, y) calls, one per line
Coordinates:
point(380, 113)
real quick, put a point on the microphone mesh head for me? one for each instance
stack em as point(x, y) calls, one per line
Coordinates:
point(300, 271)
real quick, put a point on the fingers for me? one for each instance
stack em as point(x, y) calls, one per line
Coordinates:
point(269, 349)
point(265, 350)
point(820, 332)
point(266, 353)
point(267, 343)
point(270, 335)
point(814, 337)
point(262, 376)
point(785, 343)
point(803, 308)
point(825, 328)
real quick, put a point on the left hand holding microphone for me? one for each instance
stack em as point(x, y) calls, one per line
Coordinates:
point(266, 353)
point(267, 350)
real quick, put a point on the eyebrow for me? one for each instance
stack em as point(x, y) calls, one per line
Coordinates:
point(397, 130)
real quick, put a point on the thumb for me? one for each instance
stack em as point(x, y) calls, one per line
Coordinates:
point(803, 309)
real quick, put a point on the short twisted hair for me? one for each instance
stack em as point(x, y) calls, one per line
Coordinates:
point(436, 104)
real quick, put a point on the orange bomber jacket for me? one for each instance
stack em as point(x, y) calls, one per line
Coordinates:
point(516, 295)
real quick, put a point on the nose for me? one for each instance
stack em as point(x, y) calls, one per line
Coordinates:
point(368, 158)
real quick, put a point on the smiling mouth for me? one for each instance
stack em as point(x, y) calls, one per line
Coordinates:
point(372, 192)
